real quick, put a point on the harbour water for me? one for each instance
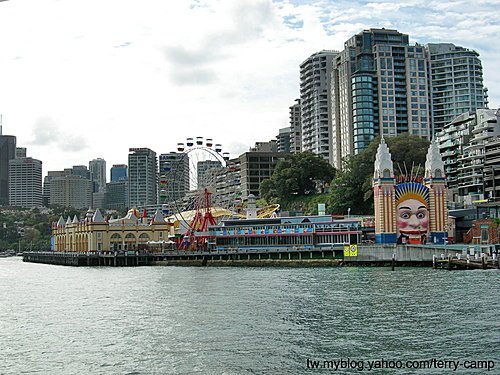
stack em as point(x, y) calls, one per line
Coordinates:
point(190, 320)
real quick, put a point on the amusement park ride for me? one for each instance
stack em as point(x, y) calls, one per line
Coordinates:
point(200, 187)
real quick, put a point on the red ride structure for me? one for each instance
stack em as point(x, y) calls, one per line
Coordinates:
point(197, 235)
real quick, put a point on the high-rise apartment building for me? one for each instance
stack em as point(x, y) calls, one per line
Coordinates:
point(119, 172)
point(7, 153)
point(143, 184)
point(46, 185)
point(295, 128)
point(467, 145)
point(97, 168)
point(174, 177)
point(379, 86)
point(456, 82)
point(283, 139)
point(116, 196)
point(25, 182)
point(206, 171)
point(316, 103)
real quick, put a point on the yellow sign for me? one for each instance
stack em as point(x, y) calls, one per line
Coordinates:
point(354, 251)
point(351, 250)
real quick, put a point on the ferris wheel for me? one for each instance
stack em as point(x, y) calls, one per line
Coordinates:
point(196, 182)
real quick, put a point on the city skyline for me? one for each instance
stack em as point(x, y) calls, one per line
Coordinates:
point(87, 80)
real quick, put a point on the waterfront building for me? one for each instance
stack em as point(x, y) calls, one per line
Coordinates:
point(283, 139)
point(452, 139)
point(316, 103)
point(94, 233)
point(7, 153)
point(295, 128)
point(484, 126)
point(174, 177)
point(20, 152)
point(119, 172)
point(97, 168)
point(298, 233)
point(143, 181)
point(116, 196)
point(379, 86)
point(25, 182)
point(456, 82)
point(71, 191)
point(491, 169)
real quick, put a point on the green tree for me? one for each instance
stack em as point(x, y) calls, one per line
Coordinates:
point(298, 175)
point(352, 188)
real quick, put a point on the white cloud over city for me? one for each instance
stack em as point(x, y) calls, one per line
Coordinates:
point(81, 79)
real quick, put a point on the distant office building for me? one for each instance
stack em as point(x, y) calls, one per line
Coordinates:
point(255, 167)
point(283, 140)
point(71, 191)
point(20, 152)
point(116, 196)
point(7, 153)
point(119, 172)
point(206, 171)
point(79, 170)
point(174, 177)
point(271, 146)
point(97, 168)
point(295, 128)
point(316, 103)
point(143, 181)
point(379, 86)
point(46, 185)
point(25, 182)
point(456, 82)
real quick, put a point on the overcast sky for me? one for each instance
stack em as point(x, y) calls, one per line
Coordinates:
point(81, 79)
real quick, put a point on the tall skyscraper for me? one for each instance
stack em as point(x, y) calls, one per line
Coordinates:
point(119, 172)
point(295, 128)
point(143, 184)
point(20, 152)
point(25, 182)
point(71, 191)
point(174, 176)
point(379, 86)
point(7, 153)
point(97, 169)
point(456, 82)
point(316, 103)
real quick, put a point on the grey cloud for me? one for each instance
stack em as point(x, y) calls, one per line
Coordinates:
point(73, 143)
point(45, 131)
point(196, 76)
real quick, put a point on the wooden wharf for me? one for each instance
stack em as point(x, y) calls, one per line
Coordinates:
point(468, 263)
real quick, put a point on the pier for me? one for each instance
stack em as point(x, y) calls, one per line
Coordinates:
point(437, 256)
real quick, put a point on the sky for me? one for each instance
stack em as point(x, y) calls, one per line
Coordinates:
point(83, 79)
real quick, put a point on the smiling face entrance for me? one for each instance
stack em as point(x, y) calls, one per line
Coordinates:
point(412, 213)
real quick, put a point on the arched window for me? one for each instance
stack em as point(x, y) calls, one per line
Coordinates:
point(386, 173)
point(115, 242)
point(438, 173)
point(130, 243)
point(143, 238)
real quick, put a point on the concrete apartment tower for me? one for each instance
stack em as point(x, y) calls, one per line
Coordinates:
point(143, 181)
point(456, 82)
point(316, 103)
point(295, 128)
point(25, 182)
point(379, 86)
point(174, 177)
